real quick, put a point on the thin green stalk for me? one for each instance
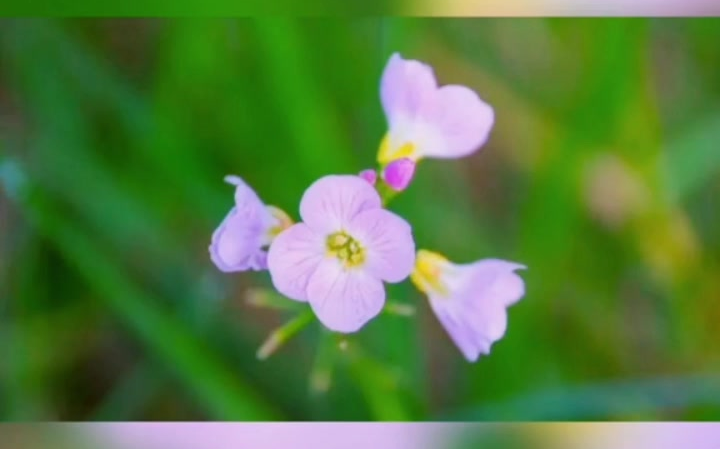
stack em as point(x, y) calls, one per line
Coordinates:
point(269, 299)
point(386, 192)
point(322, 369)
point(379, 385)
point(399, 309)
point(285, 333)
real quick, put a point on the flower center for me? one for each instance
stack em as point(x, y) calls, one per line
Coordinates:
point(388, 153)
point(346, 249)
point(427, 275)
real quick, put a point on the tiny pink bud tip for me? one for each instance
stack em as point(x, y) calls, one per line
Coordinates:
point(399, 173)
point(369, 175)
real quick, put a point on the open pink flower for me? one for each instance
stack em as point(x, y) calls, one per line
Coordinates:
point(338, 258)
point(239, 243)
point(470, 300)
point(426, 120)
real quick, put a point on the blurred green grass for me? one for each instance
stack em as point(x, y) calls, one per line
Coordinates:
point(601, 175)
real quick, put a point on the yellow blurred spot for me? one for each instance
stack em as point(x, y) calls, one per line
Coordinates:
point(320, 381)
point(621, 197)
point(428, 272)
point(614, 192)
point(669, 244)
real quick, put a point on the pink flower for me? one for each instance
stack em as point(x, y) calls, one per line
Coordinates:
point(338, 258)
point(426, 120)
point(239, 242)
point(469, 300)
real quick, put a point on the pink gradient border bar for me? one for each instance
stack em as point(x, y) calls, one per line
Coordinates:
point(635, 7)
point(400, 436)
point(299, 435)
point(566, 8)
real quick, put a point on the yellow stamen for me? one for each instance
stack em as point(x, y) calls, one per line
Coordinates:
point(387, 154)
point(428, 272)
point(338, 240)
point(346, 249)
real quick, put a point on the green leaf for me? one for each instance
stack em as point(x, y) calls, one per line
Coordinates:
point(215, 385)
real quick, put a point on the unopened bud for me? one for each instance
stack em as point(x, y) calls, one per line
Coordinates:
point(399, 173)
point(369, 175)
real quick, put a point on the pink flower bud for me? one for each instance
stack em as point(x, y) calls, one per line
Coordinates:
point(369, 175)
point(399, 173)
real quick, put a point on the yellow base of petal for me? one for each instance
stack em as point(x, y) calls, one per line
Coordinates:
point(387, 154)
point(427, 275)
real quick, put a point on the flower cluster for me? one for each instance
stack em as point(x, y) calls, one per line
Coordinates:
point(348, 245)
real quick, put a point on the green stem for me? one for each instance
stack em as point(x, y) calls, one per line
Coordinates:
point(380, 386)
point(321, 373)
point(399, 309)
point(386, 192)
point(284, 333)
point(269, 299)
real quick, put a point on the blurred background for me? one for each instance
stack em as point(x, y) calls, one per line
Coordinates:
point(601, 175)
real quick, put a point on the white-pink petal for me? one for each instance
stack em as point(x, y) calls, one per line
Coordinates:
point(332, 201)
point(388, 243)
point(469, 341)
point(236, 244)
point(445, 122)
point(405, 86)
point(498, 280)
point(293, 258)
point(460, 118)
point(344, 300)
point(474, 313)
